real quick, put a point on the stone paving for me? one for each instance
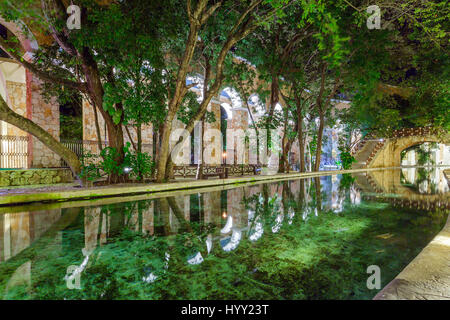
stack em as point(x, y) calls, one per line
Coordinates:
point(427, 277)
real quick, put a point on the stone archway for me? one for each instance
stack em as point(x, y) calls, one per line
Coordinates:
point(439, 155)
point(390, 154)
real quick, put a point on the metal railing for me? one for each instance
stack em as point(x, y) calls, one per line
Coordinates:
point(13, 152)
point(80, 147)
point(230, 170)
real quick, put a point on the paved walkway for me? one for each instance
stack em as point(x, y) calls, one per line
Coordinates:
point(427, 277)
point(67, 192)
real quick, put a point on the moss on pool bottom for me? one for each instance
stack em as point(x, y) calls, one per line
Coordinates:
point(313, 257)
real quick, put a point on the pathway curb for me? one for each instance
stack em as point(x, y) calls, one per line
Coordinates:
point(114, 191)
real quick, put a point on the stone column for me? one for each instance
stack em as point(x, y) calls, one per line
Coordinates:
point(148, 217)
point(183, 156)
point(91, 225)
point(236, 208)
point(212, 208)
point(446, 155)
point(411, 158)
point(274, 152)
point(252, 150)
point(237, 149)
point(41, 221)
point(197, 132)
point(46, 115)
point(213, 142)
point(17, 93)
point(16, 233)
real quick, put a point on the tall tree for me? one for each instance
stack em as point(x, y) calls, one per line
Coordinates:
point(239, 21)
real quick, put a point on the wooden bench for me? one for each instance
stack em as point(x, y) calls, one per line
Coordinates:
point(221, 172)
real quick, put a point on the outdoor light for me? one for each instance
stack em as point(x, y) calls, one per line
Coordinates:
point(127, 170)
point(224, 215)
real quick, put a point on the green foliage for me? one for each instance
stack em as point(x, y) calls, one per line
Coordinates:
point(109, 163)
point(71, 127)
point(423, 152)
point(346, 181)
point(347, 159)
point(90, 168)
point(140, 163)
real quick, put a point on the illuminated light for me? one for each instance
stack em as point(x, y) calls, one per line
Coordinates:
point(231, 243)
point(228, 225)
point(224, 215)
point(442, 240)
point(127, 170)
point(195, 259)
point(150, 278)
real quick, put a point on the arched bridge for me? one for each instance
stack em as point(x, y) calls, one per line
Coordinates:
point(374, 152)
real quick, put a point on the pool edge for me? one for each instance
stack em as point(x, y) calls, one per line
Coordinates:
point(111, 191)
point(427, 277)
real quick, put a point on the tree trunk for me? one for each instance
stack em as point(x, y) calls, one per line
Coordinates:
point(199, 175)
point(139, 149)
point(301, 144)
point(130, 137)
point(115, 135)
point(319, 143)
point(256, 131)
point(318, 193)
point(97, 129)
point(9, 116)
point(301, 196)
point(163, 155)
point(309, 158)
point(95, 91)
point(284, 145)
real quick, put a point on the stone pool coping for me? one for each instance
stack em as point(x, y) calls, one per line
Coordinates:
point(427, 277)
point(17, 198)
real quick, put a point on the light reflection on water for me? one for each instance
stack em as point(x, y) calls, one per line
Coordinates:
point(299, 239)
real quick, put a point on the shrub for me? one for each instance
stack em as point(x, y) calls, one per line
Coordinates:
point(140, 163)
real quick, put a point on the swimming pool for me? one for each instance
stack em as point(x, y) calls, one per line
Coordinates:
point(297, 239)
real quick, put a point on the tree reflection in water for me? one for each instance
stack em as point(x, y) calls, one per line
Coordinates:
point(301, 239)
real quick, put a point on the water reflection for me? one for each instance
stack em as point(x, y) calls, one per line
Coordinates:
point(427, 180)
point(247, 234)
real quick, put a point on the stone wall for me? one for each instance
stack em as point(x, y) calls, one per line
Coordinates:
point(213, 137)
point(19, 230)
point(17, 93)
point(46, 115)
point(90, 131)
point(34, 177)
point(183, 154)
point(237, 149)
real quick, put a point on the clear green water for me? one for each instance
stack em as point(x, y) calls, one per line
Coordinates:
point(298, 239)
